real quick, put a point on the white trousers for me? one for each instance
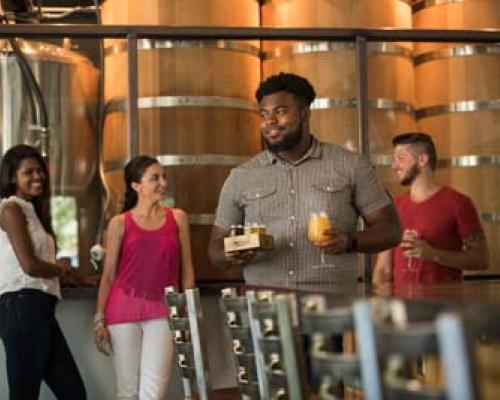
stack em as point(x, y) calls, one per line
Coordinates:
point(142, 358)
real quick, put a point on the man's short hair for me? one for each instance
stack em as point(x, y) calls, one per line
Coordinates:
point(421, 143)
point(287, 82)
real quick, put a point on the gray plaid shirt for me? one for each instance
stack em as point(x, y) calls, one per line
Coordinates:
point(282, 195)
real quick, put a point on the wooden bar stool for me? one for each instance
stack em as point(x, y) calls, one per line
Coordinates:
point(400, 313)
point(478, 328)
point(274, 325)
point(186, 323)
point(457, 357)
point(334, 370)
point(384, 347)
point(238, 325)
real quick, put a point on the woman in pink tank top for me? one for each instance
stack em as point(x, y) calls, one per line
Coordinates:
point(148, 249)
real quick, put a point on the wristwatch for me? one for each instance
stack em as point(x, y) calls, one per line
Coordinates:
point(352, 243)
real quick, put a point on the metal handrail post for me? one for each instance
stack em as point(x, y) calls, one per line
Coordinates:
point(132, 94)
point(363, 129)
point(195, 316)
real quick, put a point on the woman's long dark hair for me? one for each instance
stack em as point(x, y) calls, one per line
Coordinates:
point(134, 170)
point(8, 168)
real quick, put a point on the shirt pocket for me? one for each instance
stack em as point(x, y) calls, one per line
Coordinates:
point(261, 204)
point(335, 198)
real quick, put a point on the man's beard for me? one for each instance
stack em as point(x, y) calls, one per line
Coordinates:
point(288, 143)
point(411, 175)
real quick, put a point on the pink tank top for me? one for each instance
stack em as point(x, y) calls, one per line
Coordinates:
point(148, 262)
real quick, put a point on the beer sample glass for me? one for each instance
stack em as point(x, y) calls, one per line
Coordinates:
point(412, 263)
point(318, 223)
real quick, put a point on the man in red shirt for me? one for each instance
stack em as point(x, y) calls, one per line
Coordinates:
point(442, 235)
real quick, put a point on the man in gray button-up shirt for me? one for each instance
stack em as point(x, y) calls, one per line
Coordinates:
point(294, 176)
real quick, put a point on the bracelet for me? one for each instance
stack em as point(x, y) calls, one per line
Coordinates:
point(99, 324)
point(98, 317)
point(99, 321)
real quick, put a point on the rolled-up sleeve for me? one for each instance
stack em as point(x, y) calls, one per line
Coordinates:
point(229, 212)
point(370, 194)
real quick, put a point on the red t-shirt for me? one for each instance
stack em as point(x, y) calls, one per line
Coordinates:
point(443, 221)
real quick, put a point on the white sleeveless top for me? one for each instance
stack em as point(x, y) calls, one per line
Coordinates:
point(12, 276)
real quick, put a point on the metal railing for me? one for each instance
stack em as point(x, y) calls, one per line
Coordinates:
point(359, 36)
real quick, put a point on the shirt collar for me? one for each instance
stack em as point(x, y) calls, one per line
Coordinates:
point(314, 151)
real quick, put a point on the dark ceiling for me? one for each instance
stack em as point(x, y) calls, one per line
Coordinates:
point(65, 3)
point(48, 3)
point(52, 11)
point(59, 11)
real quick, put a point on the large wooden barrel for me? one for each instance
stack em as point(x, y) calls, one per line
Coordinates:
point(453, 14)
point(196, 106)
point(458, 103)
point(332, 69)
point(337, 13)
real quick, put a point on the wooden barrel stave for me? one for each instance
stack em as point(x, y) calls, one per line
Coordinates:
point(448, 73)
point(334, 73)
point(382, 125)
point(337, 13)
point(179, 130)
point(468, 14)
point(164, 72)
point(181, 12)
point(457, 134)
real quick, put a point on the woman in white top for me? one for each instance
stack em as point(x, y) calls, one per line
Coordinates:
point(35, 347)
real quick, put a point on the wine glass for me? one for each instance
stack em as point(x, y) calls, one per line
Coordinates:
point(412, 263)
point(318, 223)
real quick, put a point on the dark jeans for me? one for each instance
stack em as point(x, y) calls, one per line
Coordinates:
point(35, 348)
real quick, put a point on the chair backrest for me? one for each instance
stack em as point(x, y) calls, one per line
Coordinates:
point(238, 325)
point(185, 323)
point(475, 328)
point(381, 343)
point(332, 369)
point(457, 357)
point(274, 326)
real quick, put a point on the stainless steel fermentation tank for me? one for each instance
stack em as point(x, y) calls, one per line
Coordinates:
point(69, 84)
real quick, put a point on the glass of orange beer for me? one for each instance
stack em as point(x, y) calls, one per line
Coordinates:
point(318, 224)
